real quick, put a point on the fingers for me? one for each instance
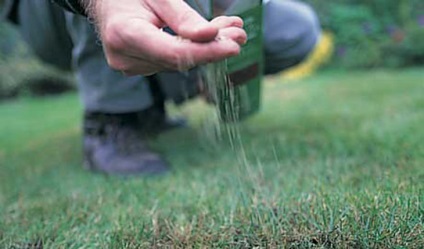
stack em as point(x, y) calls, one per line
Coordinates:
point(190, 54)
point(131, 66)
point(227, 21)
point(231, 27)
point(184, 20)
point(150, 50)
point(138, 46)
point(236, 34)
point(177, 54)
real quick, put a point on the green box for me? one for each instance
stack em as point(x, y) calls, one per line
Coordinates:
point(236, 83)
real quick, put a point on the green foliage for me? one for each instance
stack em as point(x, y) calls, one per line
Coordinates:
point(408, 52)
point(27, 76)
point(374, 33)
point(330, 162)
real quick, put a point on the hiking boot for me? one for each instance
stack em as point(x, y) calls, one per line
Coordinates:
point(116, 144)
point(154, 121)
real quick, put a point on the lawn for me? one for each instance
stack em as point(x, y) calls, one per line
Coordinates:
point(333, 161)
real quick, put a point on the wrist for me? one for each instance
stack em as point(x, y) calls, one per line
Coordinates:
point(91, 8)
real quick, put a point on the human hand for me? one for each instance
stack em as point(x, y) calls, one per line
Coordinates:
point(134, 42)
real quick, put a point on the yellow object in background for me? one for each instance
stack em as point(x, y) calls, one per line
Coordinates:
point(319, 56)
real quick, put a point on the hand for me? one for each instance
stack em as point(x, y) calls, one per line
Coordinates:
point(134, 42)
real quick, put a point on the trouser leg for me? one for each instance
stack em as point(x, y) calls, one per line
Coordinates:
point(43, 28)
point(103, 89)
point(69, 41)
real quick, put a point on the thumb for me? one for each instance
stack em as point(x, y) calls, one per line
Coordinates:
point(184, 20)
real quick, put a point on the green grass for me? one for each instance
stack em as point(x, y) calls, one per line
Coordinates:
point(334, 161)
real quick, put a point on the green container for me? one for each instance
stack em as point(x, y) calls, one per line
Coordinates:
point(236, 83)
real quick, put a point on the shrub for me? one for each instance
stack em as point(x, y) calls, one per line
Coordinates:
point(27, 76)
point(22, 74)
point(374, 33)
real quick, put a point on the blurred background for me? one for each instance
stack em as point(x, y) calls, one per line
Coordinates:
point(359, 35)
point(374, 33)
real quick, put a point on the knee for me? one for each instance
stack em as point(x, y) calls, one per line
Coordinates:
point(291, 31)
